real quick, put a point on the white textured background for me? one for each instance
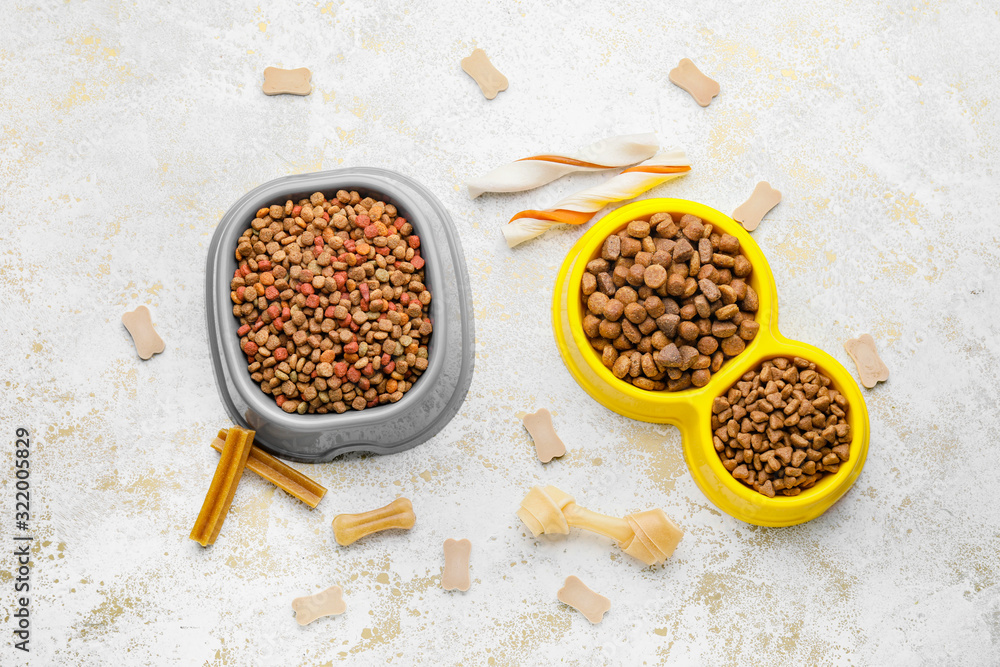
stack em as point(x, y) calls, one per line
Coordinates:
point(128, 129)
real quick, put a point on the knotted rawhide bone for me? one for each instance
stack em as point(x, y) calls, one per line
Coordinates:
point(235, 452)
point(580, 207)
point(282, 476)
point(649, 536)
point(537, 170)
point(349, 528)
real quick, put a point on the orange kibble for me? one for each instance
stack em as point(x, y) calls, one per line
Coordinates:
point(267, 278)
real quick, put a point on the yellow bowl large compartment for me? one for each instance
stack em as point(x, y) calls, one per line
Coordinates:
point(690, 410)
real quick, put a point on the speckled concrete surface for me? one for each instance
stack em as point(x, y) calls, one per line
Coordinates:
point(129, 128)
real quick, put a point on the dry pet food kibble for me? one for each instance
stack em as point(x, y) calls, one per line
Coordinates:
point(349, 528)
point(668, 301)
point(333, 307)
point(871, 368)
point(325, 603)
point(548, 444)
point(578, 595)
point(140, 327)
point(782, 427)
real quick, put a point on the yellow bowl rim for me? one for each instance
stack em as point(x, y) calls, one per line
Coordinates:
point(769, 343)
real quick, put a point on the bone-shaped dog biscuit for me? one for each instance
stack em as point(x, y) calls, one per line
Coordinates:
point(576, 594)
point(649, 536)
point(325, 603)
point(349, 528)
point(140, 327)
point(279, 81)
point(687, 76)
point(548, 445)
point(479, 67)
point(752, 211)
point(456, 565)
point(870, 366)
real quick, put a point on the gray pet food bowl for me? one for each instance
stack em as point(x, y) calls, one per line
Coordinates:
point(385, 429)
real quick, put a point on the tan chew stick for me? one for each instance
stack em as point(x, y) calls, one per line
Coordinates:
point(283, 476)
point(456, 565)
point(870, 366)
point(220, 493)
point(687, 76)
point(279, 81)
point(649, 536)
point(140, 327)
point(752, 211)
point(479, 67)
point(547, 443)
point(325, 603)
point(349, 528)
point(576, 594)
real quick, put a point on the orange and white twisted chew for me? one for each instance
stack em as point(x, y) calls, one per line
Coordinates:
point(537, 170)
point(580, 207)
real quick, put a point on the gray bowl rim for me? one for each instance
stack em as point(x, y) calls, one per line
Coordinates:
point(227, 358)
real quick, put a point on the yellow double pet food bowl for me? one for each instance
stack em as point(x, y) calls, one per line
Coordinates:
point(690, 410)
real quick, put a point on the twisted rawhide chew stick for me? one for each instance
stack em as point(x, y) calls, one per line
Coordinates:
point(649, 536)
point(537, 170)
point(580, 207)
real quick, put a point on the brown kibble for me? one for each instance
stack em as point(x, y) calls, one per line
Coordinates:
point(776, 431)
point(596, 303)
point(723, 329)
point(655, 276)
point(709, 289)
point(638, 229)
point(727, 312)
point(748, 330)
point(741, 267)
point(635, 313)
point(675, 285)
point(612, 248)
point(732, 346)
point(631, 247)
point(663, 297)
point(613, 310)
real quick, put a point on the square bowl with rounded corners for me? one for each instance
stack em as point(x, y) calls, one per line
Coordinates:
point(385, 429)
point(691, 409)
